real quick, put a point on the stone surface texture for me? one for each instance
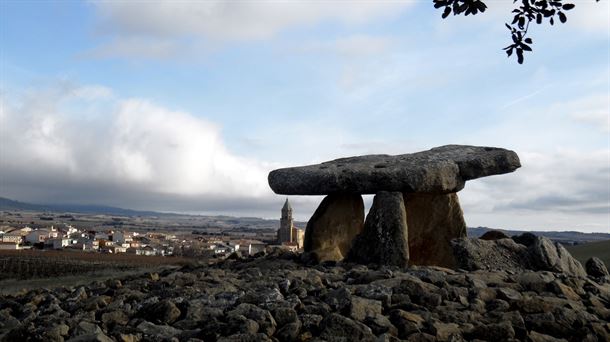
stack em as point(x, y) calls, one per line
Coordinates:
point(540, 254)
point(329, 302)
point(552, 256)
point(595, 267)
point(433, 221)
point(333, 226)
point(384, 239)
point(442, 169)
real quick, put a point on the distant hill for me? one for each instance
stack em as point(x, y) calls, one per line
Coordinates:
point(8, 204)
point(583, 252)
point(566, 238)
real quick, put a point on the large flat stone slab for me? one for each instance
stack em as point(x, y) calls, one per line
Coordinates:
point(442, 169)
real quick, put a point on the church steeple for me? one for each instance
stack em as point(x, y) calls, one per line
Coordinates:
point(287, 210)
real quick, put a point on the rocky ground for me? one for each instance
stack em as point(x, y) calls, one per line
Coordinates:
point(279, 297)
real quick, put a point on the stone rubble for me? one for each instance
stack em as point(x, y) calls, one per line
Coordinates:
point(279, 297)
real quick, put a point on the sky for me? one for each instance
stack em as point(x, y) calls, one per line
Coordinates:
point(185, 106)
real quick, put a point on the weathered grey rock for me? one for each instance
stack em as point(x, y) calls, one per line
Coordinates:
point(333, 226)
point(384, 239)
point(97, 337)
point(158, 331)
point(494, 235)
point(596, 268)
point(162, 312)
point(506, 254)
point(362, 308)
point(433, 221)
point(335, 327)
point(549, 256)
point(442, 169)
point(476, 254)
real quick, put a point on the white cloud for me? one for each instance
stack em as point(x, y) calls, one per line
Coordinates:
point(593, 110)
point(137, 149)
point(357, 45)
point(591, 16)
point(161, 28)
point(235, 20)
point(563, 189)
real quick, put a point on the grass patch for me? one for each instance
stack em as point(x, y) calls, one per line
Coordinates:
point(583, 252)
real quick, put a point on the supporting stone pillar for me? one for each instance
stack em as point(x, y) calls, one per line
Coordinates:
point(384, 239)
point(433, 220)
point(333, 226)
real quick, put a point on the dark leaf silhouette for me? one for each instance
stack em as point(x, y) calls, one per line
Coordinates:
point(525, 12)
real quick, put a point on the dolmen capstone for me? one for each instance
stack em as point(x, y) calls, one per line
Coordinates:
point(415, 212)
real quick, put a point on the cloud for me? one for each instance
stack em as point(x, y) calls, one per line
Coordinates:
point(593, 110)
point(591, 16)
point(564, 189)
point(163, 28)
point(122, 149)
point(357, 45)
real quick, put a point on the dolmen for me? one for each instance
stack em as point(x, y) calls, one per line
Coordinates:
point(415, 212)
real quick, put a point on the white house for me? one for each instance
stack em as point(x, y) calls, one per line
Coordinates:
point(255, 247)
point(9, 246)
point(236, 245)
point(13, 237)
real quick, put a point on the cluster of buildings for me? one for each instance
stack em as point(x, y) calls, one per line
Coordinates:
point(71, 238)
point(67, 237)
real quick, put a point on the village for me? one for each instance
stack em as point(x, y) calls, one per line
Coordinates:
point(121, 235)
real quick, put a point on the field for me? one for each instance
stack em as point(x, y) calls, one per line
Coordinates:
point(583, 252)
point(26, 270)
point(46, 264)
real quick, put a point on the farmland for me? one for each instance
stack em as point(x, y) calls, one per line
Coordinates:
point(583, 252)
point(47, 264)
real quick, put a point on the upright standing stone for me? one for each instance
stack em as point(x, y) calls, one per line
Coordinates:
point(433, 221)
point(384, 239)
point(333, 226)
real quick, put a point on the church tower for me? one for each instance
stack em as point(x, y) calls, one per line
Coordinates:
point(285, 233)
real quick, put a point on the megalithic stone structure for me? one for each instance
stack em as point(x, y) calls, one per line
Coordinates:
point(428, 181)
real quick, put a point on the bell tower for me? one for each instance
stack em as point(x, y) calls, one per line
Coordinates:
point(284, 234)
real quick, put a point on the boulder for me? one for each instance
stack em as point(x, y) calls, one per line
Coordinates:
point(548, 256)
point(333, 226)
point(335, 327)
point(494, 235)
point(476, 254)
point(596, 268)
point(442, 169)
point(384, 238)
point(433, 220)
point(541, 254)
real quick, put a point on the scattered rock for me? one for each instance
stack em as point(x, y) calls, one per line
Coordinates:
point(549, 256)
point(339, 328)
point(338, 301)
point(163, 312)
point(596, 268)
point(97, 337)
point(494, 235)
point(525, 252)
